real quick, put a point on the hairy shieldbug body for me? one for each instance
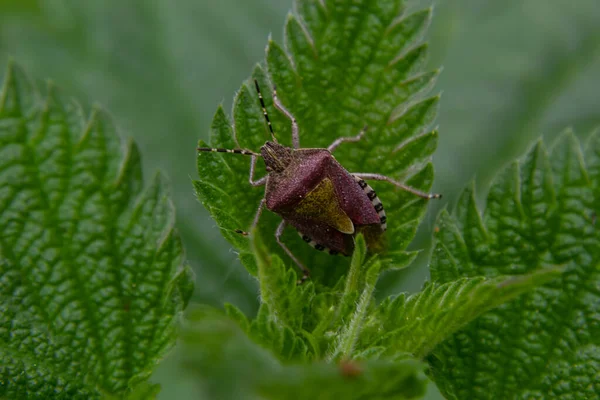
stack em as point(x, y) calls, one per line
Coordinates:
point(314, 193)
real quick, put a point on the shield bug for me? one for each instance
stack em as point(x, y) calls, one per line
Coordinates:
point(314, 193)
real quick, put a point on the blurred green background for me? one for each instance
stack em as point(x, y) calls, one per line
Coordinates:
point(512, 71)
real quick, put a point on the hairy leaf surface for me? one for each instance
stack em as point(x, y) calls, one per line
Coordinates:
point(540, 212)
point(92, 276)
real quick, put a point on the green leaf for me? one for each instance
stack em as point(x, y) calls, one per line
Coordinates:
point(417, 324)
point(354, 283)
point(540, 212)
point(374, 50)
point(144, 391)
point(268, 331)
point(211, 342)
point(347, 64)
point(265, 330)
point(235, 314)
point(356, 272)
point(92, 276)
point(512, 70)
point(279, 288)
point(346, 341)
point(89, 52)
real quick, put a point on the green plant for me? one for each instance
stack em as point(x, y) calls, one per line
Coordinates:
point(373, 75)
point(92, 276)
point(511, 311)
point(540, 212)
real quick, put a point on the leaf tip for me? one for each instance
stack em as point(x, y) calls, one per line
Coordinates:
point(443, 217)
point(161, 185)
point(11, 67)
point(100, 116)
point(18, 93)
point(290, 17)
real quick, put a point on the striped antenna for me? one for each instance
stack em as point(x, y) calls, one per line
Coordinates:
point(234, 151)
point(264, 110)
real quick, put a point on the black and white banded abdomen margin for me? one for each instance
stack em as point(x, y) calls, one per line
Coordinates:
point(316, 245)
point(374, 200)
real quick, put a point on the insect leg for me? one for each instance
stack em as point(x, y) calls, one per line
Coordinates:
point(416, 192)
point(280, 107)
point(341, 140)
point(258, 182)
point(259, 211)
point(278, 233)
point(233, 151)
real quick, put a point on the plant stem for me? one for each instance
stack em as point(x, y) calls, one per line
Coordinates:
point(348, 337)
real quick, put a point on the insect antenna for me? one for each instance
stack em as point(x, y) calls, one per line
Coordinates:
point(264, 110)
point(235, 151)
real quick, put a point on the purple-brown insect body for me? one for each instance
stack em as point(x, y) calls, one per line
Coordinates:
point(317, 196)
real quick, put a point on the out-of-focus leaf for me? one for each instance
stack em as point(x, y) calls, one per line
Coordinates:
point(160, 69)
point(212, 342)
point(512, 70)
